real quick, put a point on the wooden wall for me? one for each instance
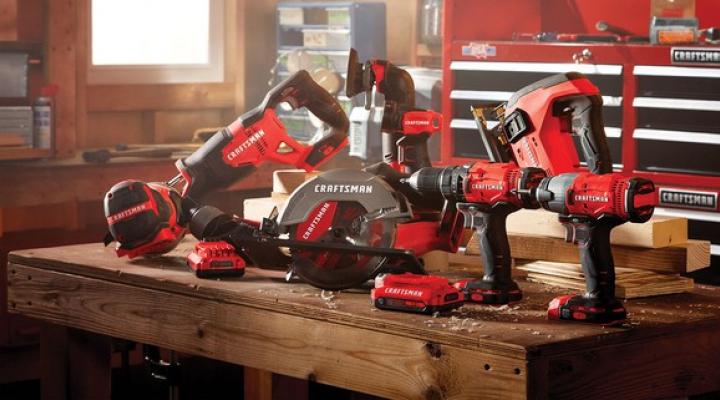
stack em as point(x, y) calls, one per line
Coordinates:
point(106, 115)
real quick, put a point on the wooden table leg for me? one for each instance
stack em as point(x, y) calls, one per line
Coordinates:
point(53, 352)
point(4, 323)
point(89, 365)
point(264, 385)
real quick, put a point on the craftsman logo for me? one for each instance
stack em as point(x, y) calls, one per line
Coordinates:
point(239, 149)
point(360, 189)
point(478, 50)
point(688, 199)
point(130, 212)
point(487, 186)
point(695, 56)
point(412, 122)
point(315, 221)
point(530, 154)
point(591, 198)
point(404, 292)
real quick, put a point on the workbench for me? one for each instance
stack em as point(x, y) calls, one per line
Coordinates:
point(669, 347)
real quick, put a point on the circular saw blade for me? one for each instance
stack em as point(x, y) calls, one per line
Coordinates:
point(343, 222)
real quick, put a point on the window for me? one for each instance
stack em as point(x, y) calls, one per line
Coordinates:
point(156, 41)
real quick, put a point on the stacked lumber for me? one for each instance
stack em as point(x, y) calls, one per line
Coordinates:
point(649, 257)
point(284, 182)
point(629, 283)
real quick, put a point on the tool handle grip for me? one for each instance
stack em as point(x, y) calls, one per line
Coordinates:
point(205, 170)
point(300, 90)
point(489, 225)
point(593, 240)
point(587, 122)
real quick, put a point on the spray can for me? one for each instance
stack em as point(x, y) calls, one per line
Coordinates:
point(43, 120)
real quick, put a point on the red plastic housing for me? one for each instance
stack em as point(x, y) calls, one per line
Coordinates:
point(415, 293)
point(491, 183)
point(214, 259)
point(167, 236)
point(546, 145)
point(421, 122)
point(609, 194)
point(262, 141)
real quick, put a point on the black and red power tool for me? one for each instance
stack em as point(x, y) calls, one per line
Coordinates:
point(144, 218)
point(485, 193)
point(151, 218)
point(538, 129)
point(405, 128)
point(590, 206)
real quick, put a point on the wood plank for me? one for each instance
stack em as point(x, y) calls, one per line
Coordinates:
point(178, 126)
point(266, 291)
point(49, 216)
point(285, 181)
point(76, 180)
point(82, 20)
point(681, 258)
point(258, 384)
point(257, 209)
point(31, 20)
point(62, 69)
point(658, 232)
point(89, 365)
point(107, 129)
point(630, 283)
point(239, 87)
point(9, 20)
point(382, 364)
point(23, 153)
point(160, 97)
point(663, 367)
point(54, 372)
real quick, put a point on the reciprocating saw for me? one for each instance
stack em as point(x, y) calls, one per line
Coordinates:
point(146, 219)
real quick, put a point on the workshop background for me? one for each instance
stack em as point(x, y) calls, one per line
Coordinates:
point(76, 116)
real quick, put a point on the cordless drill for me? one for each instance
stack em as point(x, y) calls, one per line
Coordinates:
point(405, 128)
point(589, 207)
point(485, 193)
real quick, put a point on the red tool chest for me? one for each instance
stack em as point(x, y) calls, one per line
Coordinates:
point(662, 117)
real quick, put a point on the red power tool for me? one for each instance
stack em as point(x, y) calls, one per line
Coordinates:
point(590, 206)
point(151, 218)
point(537, 130)
point(485, 193)
point(405, 128)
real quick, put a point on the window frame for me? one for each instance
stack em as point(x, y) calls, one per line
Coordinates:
point(213, 71)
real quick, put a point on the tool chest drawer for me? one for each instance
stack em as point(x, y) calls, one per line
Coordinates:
point(677, 119)
point(481, 83)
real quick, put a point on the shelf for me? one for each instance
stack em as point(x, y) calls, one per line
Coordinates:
point(23, 153)
point(345, 27)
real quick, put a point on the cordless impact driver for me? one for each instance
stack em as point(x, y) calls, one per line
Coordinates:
point(589, 207)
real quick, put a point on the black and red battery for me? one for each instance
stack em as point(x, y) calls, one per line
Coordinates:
point(215, 259)
point(425, 294)
point(576, 308)
point(476, 294)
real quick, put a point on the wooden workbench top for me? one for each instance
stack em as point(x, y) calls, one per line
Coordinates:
point(501, 334)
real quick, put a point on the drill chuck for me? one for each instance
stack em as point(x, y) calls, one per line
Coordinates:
point(552, 190)
point(448, 181)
